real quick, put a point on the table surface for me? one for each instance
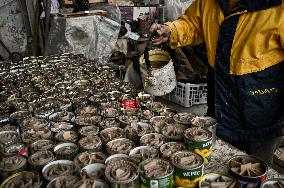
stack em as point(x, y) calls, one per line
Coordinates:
point(222, 152)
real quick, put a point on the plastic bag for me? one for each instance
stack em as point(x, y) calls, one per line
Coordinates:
point(175, 8)
point(94, 36)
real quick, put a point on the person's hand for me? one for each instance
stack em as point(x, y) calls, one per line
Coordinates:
point(163, 31)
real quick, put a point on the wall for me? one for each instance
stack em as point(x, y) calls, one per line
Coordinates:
point(12, 29)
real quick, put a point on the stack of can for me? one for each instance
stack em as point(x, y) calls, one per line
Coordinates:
point(65, 119)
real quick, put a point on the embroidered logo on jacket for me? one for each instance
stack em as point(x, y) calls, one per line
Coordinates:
point(264, 91)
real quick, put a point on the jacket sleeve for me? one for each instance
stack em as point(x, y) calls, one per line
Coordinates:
point(187, 30)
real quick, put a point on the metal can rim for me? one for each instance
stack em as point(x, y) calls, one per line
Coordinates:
point(11, 170)
point(142, 163)
point(216, 174)
point(17, 174)
point(268, 180)
point(178, 166)
point(250, 156)
point(203, 140)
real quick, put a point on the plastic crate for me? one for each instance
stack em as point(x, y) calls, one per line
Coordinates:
point(188, 94)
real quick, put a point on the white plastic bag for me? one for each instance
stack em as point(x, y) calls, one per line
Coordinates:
point(175, 8)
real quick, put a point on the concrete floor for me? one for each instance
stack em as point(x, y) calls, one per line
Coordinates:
point(197, 109)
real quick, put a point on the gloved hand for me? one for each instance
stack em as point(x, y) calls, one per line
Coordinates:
point(163, 31)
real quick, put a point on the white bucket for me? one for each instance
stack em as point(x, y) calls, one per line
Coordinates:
point(163, 79)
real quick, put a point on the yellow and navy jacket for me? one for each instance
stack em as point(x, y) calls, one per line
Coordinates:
point(245, 46)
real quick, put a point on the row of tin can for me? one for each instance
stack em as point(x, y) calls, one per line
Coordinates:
point(77, 83)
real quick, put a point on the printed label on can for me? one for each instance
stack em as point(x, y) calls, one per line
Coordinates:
point(166, 182)
point(24, 152)
point(130, 104)
point(188, 178)
point(203, 148)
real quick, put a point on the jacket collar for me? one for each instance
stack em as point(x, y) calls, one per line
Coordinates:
point(249, 5)
point(223, 4)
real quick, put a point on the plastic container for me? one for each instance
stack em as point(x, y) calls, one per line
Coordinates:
point(162, 79)
point(188, 94)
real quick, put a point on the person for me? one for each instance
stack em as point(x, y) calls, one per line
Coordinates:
point(245, 46)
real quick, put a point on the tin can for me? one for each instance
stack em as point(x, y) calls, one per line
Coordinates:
point(41, 145)
point(14, 167)
point(188, 168)
point(156, 107)
point(62, 116)
point(158, 122)
point(18, 116)
point(130, 104)
point(25, 174)
point(146, 115)
point(157, 181)
point(174, 132)
point(120, 145)
point(95, 99)
point(87, 110)
point(43, 111)
point(66, 136)
point(115, 157)
point(32, 135)
point(109, 112)
point(112, 133)
point(87, 120)
point(184, 118)
point(199, 140)
point(138, 129)
point(122, 174)
point(87, 157)
point(16, 149)
point(63, 104)
point(109, 123)
point(34, 123)
point(130, 112)
point(249, 170)
point(144, 99)
point(218, 180)
point(274, 182)
point(9, 137)
point(65, 167)
point(207, 123)
point(7, 126)
point(71, 150)
point(91, 183)
point(168, 112)
point(93, 171)
point(169, 148)
point(143, 153)
point(153, 139)
point(126, 120)
point(66, 181)
point(90, 143)
point(61, 126)
point(89, 131)
point(39, 159)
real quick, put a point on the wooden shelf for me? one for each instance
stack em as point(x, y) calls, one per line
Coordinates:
point(86, 13)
